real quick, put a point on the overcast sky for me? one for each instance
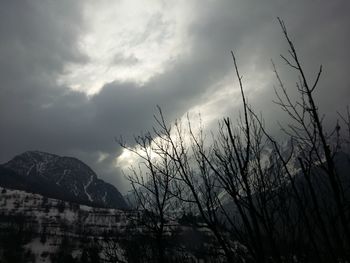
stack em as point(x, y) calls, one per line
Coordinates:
point(76, 74)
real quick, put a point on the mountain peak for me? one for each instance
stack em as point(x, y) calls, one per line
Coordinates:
point(68, 174)
point(37, 154)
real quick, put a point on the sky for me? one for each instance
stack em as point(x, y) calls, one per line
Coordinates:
point(75, 75)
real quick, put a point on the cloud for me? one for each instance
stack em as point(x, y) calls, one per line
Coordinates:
point(120, 59)
point(41, 39)
point(126, 41)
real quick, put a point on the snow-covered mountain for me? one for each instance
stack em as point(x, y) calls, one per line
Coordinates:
point(64, 178)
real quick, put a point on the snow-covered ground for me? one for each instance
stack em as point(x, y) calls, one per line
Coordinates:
point(57, 219)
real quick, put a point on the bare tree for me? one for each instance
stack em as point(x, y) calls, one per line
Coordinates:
point(151, 184)
point(241, 183)
point(325, 217)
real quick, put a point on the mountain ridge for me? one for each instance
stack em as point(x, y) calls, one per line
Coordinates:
point(62, 177)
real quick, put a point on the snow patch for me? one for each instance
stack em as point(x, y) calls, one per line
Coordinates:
point(30, 169)
point(87, 185)
point(65, 172)
point(104, 197)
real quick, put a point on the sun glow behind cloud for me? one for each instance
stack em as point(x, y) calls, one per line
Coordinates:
point(223, 99)
point(128, 40)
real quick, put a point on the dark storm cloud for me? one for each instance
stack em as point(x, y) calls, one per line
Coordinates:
point(250, 28)
point(39, 38)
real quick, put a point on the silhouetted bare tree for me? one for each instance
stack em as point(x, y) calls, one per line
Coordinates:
point(151, 184)
point(261, 202)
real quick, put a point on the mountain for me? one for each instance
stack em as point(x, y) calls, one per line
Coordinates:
point(34, 228)
point(64, 178)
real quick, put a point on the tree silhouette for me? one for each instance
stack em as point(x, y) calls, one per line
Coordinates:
point(260, 201)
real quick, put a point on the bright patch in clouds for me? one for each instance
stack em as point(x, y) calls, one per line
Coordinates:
point(128, 40)
point(126, 159)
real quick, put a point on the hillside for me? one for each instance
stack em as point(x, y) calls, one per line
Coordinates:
point(64, 178)
point(38, 226)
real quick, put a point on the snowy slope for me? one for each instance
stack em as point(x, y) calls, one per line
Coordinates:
point(56, 219)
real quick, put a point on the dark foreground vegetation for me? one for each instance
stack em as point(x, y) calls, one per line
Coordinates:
point(260, 201)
